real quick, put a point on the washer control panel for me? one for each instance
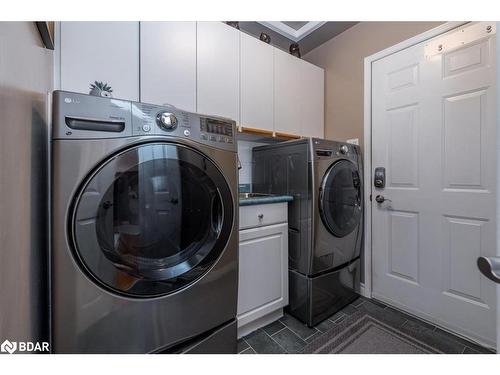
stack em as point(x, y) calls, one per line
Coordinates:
point(81, 116)
point(149, 119)
point(326, 149)
point(215, 130)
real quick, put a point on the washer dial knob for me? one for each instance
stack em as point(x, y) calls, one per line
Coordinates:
point(166, 120)
point(344, 149)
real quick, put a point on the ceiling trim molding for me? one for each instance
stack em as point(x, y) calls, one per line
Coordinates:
point(290, 32)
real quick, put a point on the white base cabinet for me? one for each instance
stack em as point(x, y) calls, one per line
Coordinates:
point(263, 271)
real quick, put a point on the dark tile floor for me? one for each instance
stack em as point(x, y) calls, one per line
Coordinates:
point(289, 335)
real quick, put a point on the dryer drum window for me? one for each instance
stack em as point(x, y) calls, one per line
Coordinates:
point(341, 198)
point(152, 219)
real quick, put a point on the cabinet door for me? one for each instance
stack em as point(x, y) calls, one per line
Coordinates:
point(287, 87)
point(218, 70)
point(256, 83)
point(168, 64)
point(298, 96)
point(312, 99)
point(101, 51)
point(263, 271)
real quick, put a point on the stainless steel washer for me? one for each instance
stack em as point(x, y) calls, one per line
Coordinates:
point(325, 220)
point(144, 228)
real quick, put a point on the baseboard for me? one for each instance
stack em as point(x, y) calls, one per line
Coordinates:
point(259, 323)
point(363, 291)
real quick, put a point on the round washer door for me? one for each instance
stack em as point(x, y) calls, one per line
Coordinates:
point(340, 198)
point(151, 219)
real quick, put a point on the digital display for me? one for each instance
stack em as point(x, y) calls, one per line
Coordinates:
point(216, 127)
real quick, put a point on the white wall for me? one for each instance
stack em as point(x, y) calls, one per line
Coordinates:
point(25, 80)
point(245, 155)
point(342, 57)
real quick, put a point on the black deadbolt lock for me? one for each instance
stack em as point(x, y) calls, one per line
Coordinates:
point(379, 178)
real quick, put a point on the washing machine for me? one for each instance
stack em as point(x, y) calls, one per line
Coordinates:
point(325, 220)
point(144, 228)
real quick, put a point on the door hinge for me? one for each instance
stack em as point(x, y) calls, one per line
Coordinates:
point(370, 197)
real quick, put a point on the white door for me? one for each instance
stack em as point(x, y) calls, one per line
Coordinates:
point(498, 195)
point(168, 64)
point(218, 70)
point(433, 130)
point(100, 51)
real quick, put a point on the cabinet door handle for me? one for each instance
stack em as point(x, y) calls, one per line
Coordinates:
point(260, 216)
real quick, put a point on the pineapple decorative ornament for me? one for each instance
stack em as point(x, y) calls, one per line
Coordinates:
point(101, 89)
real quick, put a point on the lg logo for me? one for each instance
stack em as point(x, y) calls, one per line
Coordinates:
point(23, 346)
point(8, 347)
point(69, 100)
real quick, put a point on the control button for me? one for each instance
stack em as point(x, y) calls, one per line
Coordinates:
point(344, 149)
point(213, 138)
point(222, 139)
point(229, 140)
point(187, 133)
point(166, 120)
point(146, 128)
point(204, 137)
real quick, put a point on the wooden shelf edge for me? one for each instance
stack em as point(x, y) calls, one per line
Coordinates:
point(287, 135)
point(246, 129)
point(268, 133)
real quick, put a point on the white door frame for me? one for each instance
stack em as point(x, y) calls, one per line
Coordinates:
point(498, 184)
point(366, 289)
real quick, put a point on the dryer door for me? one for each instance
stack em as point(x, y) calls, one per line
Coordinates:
point(340, 198)
point(152, 219)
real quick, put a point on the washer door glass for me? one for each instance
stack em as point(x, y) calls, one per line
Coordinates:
point(340, 198)
point(152, 219)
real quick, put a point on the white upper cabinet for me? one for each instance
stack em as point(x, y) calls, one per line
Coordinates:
point(287, 86)
point(312, 98)
point(256, 83)
point(100, 51)
point(168, 64)
point(298, 96)
point(205, 67)
point(218, 70)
